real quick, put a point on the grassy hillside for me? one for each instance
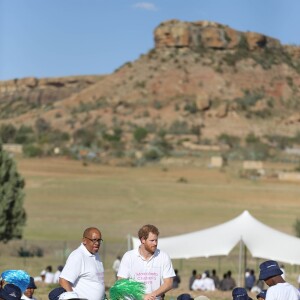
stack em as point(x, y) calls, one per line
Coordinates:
point(65, 196)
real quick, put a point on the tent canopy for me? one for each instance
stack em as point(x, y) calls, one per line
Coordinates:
point(261, 240)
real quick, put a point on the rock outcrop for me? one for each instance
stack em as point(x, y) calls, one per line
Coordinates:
point(44, 91)
point(205, 34)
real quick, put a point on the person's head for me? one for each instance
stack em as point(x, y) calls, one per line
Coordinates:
point(184, 297)
point(30, 288)
point(262, 295)
point(194, 272)
point(270, 272)
point(60, 268)
point(148, 236)
point(240, 293)
point(92, 239)
point(49, 269)
point(10, 292)
point(214, 272)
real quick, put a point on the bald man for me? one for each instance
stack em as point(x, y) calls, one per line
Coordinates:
point(83, 272)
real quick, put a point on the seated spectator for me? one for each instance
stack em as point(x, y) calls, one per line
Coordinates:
point(57, 274)
point(176, 279)
point(40, 278)
point(198, 284)
point(215, 278)
point(227, 283)
point(192, 278)
point(49, 276)
point(250, 280)
point(240, 293)
point(208, 283)
point(28, 293)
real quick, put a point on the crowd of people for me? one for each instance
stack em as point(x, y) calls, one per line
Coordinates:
point(82, 277)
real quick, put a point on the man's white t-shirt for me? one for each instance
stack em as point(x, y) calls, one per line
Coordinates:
point(151, 272)
point(85, 272)
point(282, 291)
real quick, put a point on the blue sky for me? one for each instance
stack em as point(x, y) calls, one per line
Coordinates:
point(52, 38)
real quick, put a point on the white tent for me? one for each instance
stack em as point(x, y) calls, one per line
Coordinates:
point(261, 240)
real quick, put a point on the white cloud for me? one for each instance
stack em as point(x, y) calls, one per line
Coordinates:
point(145, 6)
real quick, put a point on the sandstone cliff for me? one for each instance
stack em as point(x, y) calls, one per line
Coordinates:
point(199, 74)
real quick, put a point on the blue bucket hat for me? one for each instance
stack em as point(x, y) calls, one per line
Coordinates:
point(262, 294)
point(17, 277)
point(31, 284)
point(240, 293)
point(268, 269)
point(10, 292)
point(54, 294)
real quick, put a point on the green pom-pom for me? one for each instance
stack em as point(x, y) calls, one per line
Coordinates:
point(126, 289)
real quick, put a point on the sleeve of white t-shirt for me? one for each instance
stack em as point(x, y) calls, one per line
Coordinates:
point(72, 268)
point(168, 270)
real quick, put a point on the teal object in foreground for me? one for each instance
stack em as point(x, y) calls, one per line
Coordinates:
point(17, 277)
point(126, 289)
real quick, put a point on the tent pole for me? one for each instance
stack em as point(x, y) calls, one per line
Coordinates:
point(240, 262)
point(245, 260)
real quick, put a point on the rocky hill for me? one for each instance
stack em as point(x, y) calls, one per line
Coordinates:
point(202, 80)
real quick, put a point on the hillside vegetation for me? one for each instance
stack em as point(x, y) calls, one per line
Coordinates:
point(202, 83)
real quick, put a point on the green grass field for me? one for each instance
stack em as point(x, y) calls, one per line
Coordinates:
point(63, 197)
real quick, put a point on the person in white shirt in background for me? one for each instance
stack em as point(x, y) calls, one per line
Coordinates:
point(198, 284)
point(57, 274)
point(116, 266)
point(49, 276)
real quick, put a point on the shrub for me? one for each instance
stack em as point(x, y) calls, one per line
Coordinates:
point(140, 134)
point(179, 127)
point(42, 126)
point(230, 140)
point(31, 150)
point(7, 133)
point(152, 154)
point(25, 135)
point(191, 107)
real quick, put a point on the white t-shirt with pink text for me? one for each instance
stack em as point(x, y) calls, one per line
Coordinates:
point(151, 272)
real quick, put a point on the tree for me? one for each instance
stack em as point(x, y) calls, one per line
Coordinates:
point(12, 213)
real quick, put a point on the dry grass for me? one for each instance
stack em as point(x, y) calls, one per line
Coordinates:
point(63, 197)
